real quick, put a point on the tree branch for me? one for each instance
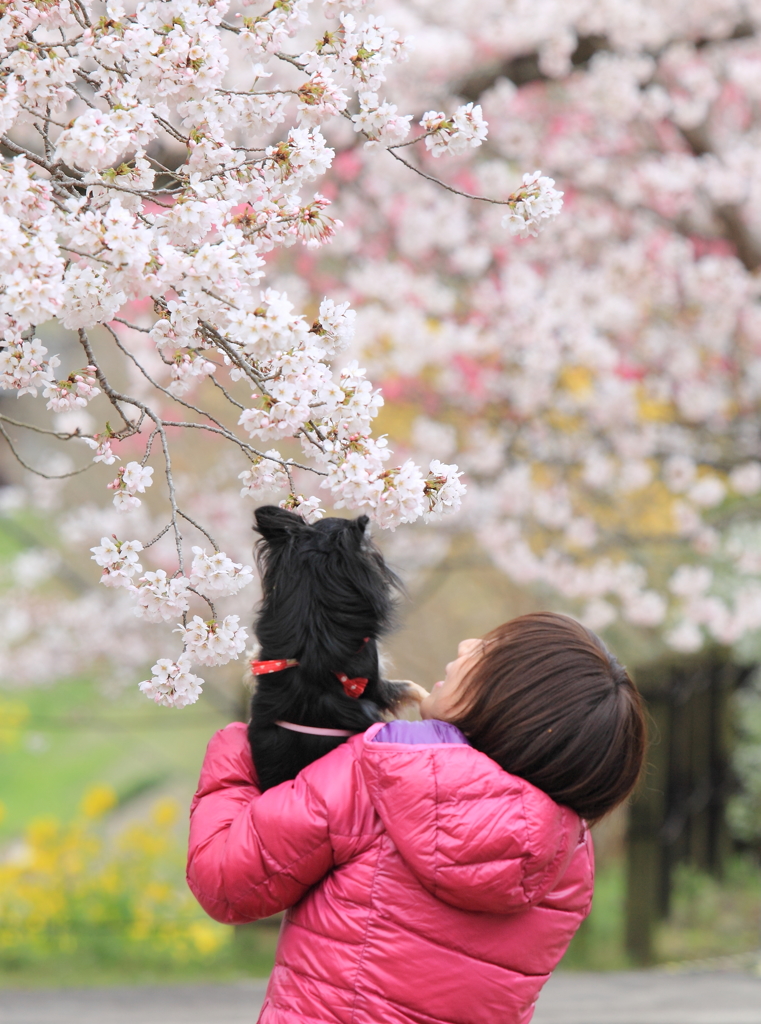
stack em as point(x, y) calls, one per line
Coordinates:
point(38, 472)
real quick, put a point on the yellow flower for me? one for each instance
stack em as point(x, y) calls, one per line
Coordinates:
point(205, 937)
point(157, 892)
point(67, 885)
point(97, 801)
point(42, 832)
point(165, 812)
point(654, 410)
point(577, 379)
point(13, 715)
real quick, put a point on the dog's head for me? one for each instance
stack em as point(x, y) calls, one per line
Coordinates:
point(328, 594)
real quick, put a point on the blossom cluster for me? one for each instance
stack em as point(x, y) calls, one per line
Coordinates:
point(599, 383)
point(217, 575)
point(23, 367)
point(214, 643)
point(131, 480)
point(158, 152)
point(172, 684)
point(456, 135)
point(119, 560)
point(536, 200)
point(162, 598)
point(75, 392)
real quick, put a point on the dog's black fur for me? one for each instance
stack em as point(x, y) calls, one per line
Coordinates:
point(325, 588)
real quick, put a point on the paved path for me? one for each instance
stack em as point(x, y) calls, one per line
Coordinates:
point(637, 997)
point(650, 997)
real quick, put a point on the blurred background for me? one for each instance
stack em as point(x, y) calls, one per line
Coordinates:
point(96, 783)
point(599, 386)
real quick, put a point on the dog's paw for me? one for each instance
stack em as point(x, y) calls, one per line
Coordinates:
point(412, 692)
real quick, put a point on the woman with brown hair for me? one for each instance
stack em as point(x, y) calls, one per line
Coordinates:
point(433, 872)
point(546, 700)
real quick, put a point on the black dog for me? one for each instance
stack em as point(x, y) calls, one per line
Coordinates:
point(328, 596)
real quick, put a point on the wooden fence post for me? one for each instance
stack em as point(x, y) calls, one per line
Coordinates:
point(677, 814)
point(645, 862)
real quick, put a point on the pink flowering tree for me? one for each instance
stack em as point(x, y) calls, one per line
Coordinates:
point(157, 159)
point(599, 384)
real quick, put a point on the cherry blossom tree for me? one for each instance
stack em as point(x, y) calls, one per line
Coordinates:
point(156, 159)
point(599, 384)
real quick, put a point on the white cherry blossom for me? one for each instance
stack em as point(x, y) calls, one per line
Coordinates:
point(265, 474)
point(102, 448)
point(466, 129)
point(23, 366)
point(161, 598)
point(309, 508)
point(130, 481)
point(172, 685)
point(119, 561)
point(214, 643)
point(686, 637)
point(536, 200)
point(746, 478)
point(74, 392)
point(444, 489)
point(216, 575)
point(602, 380)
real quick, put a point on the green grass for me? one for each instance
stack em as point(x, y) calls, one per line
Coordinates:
point(599, 942)
point(708, 919)
point(711, 918)
point(57, 744)
point(10, 543)
point(109, 961)
point(73, 737)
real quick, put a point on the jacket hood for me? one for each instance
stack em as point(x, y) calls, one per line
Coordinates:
point(475, 836)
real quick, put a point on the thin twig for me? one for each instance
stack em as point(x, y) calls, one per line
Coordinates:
point(88, 256)
point(148, 446)
point(172, 493)
point(203, 598)
point(38, 472)
point(62, 435)
point(132, 327)
point(45, 117)
point(244, 445)
point(236, 357)
point(225, 392)
point(199, 527)
point(219, 428)
point(168, 393)
point(443, 184)
point(115, 398)
point(158, 536)
point(21, 151)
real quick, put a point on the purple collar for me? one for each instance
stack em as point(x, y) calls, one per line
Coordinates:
point(426, 733)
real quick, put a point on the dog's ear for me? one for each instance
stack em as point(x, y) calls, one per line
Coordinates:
point(360, 525)
point(275, 525)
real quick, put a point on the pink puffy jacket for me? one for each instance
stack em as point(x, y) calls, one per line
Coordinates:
point(424, 884)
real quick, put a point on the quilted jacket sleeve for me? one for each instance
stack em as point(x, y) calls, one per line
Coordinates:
point(252, 854)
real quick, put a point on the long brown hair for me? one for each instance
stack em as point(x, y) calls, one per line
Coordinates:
point(547, 701)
